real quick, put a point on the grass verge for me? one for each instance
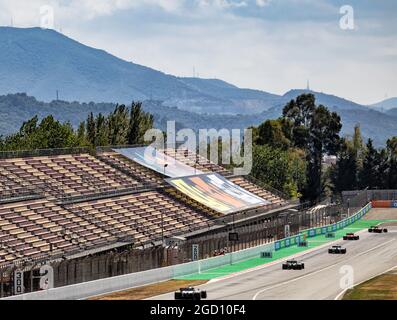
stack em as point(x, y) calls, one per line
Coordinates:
point(145, 292)
point(383, 287)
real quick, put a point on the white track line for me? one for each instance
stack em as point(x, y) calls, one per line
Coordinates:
point(318, 271)
point(272, 263)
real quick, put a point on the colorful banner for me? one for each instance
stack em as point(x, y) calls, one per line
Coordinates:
point(217, 193)
point(151, 158)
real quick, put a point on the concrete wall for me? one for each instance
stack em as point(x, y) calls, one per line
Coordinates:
point(103, 286)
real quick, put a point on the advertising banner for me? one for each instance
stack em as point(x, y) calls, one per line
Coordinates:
point(217, 193)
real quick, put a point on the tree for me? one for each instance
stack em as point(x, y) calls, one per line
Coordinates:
point(139, 123)
point(29, 127)
point(81, 135)
point(101, 131)
point(392, 159)
point(271, 132)
point(383, 169)
point(300, 112)
point(344, 173)
point(283, 170)
point(368, 174)
point(52, 134)
point(316, 130)
point(134, 126)
point(91, 129)
point(118, 125)
point(358, 146)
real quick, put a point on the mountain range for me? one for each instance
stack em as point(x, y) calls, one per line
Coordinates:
point(386, 105)
point(72, 79)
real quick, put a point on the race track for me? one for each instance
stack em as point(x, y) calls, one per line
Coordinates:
point(368, 257)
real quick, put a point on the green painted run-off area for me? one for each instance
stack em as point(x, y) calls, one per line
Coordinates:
point(283, 253)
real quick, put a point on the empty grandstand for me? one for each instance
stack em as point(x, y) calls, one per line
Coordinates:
point(58, 206)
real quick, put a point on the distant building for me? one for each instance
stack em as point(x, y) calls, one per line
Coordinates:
point(329, 160)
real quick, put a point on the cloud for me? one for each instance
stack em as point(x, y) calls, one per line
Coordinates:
point(268, 45)
point(262, 3)
point(223, 4)
point(27, 12)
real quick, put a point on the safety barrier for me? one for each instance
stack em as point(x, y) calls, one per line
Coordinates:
point(99, 287)
point(309, 233)
point(103, 286)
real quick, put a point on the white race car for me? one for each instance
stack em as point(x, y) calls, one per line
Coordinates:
point(190, 293)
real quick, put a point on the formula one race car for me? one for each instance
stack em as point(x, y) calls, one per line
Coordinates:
point(293, 265)
point(337, 250)
point(190, 293)
point(351, 236)
point(376, 229)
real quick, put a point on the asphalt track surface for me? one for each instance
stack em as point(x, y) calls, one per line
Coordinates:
point(321, 278)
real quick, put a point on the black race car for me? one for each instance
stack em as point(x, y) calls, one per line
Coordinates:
point(351, 236)
point(293, 265)
point(376, 229)
point(190, 293)
point(337, 250)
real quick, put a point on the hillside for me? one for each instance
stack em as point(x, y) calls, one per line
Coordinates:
point(40, 62)
point(386, 105)
point(16, 108)
point(392, 112)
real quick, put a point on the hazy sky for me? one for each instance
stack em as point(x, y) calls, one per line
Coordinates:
point(271, 45)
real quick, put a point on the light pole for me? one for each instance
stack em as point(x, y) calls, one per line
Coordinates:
point(195, 164)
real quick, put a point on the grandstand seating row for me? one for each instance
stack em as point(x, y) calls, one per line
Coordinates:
point(66, 175)
point(253, 188)
point(29, 227)
point(48, 225)
point(140, 172)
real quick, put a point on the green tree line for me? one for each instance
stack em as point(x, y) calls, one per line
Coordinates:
point(288, 153)
point(122, 126)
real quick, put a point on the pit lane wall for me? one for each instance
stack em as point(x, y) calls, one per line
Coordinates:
point(107, 285)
